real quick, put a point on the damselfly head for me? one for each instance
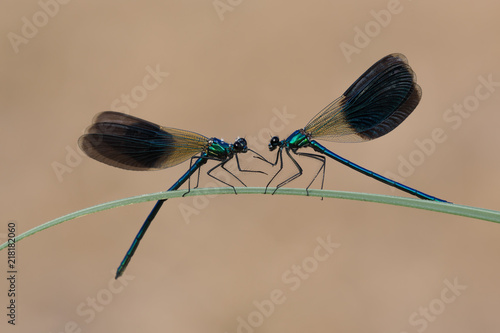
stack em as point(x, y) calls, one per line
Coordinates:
point(240, 145)
point(274, 143)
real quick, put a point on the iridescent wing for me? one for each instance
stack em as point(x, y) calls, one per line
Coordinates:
point(131, 143)
point(374, 105)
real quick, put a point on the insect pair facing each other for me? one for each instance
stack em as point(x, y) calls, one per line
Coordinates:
point(376, 103)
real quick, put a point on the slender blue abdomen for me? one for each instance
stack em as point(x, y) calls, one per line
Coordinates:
point(196, 165)
point(320, 149)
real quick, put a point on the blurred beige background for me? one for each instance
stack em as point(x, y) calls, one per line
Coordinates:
point(233, 67)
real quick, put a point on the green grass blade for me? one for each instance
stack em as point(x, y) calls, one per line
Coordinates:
point(447, 208)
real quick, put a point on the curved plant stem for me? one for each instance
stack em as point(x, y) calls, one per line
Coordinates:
point(447, 208)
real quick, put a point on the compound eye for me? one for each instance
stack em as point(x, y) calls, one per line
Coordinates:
point(274, 141)
point(242, 142)
point(240, 145)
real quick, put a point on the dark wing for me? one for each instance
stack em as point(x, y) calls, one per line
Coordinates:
point(374, 105)
point(131, 143)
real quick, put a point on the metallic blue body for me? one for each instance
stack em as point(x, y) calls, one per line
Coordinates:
point(216, 150)
point(131, 143)
point(196, 165)
point(300, 139)
point(374, 105)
